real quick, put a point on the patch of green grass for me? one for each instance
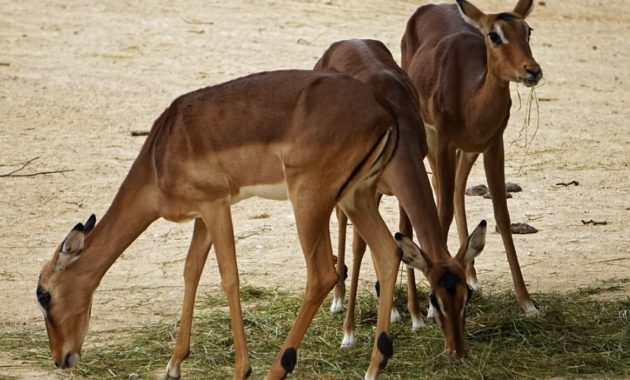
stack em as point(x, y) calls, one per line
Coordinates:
point(577, 335)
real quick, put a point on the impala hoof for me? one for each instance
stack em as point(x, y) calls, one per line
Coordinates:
point(172, 373)
point(348, 341)
point(394, 316)
point(337, 305)
point(417, 323)
point(531, 310)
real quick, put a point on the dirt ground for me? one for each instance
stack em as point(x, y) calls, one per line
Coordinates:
point(75, 80)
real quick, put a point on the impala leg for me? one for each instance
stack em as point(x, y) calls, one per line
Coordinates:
point(313, 230)
point(342, 270)
point(417, 322)
point(218, 219)
point(363, 211)
point(195, 260)
point(446, 162)
point(465, 163)
point(494, 166)
point(358, 250)
point(435, 180)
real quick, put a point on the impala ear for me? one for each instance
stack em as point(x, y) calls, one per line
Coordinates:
point(474, 245)
point(471, 14)
point(412, 255)
point(523, 8)
point(89, 225)
point(71, 247)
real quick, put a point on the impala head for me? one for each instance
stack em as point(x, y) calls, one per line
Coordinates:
point(449, 291)
point(65, 298)
point(507, 41)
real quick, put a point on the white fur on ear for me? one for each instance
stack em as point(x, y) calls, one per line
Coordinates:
point(476, 242)
point(412, 255)
point(469, 20)
point(71, 248)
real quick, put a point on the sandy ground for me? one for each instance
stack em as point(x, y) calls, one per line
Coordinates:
point(75, 80)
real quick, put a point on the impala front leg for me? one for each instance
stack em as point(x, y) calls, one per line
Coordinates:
point(218, 219)
point(465, 163)
point(446, 162)
point(195, 261)
point(493, 160)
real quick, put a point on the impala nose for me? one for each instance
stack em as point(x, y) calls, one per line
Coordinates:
point(534, 73)
point(69, 361)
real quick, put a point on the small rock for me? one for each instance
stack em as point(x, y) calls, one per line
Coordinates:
point(477, 191)
point(512, 187)
point(521, 228)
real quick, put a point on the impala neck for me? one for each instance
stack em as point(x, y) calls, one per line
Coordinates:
point(491, 100)
point(131, 212)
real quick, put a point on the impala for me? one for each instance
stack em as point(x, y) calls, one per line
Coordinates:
point(462, 61)
point(318, 139)
point(405, 177)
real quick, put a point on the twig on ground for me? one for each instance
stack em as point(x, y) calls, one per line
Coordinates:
point(602, 223)
point(565, 184)
point(25, 164)
point(139, 133)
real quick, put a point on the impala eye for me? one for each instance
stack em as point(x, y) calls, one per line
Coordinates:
point(495, 38)
point(43, 297)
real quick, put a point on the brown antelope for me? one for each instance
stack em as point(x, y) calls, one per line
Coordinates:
point(461, 61)
point(318, 139)
point(405, 177)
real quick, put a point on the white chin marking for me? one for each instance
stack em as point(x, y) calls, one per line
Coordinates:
point(337, 305)
point(417, 323)
point(348, 340)
point(475, 285)
point(394, 316)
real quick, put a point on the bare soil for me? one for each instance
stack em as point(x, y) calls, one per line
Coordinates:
point(76, 79)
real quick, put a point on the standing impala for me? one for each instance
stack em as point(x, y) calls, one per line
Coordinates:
point(461, 61)
point(318, 139)
point(405, 177)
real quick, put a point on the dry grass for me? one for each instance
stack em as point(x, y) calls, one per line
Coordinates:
point(578, 335)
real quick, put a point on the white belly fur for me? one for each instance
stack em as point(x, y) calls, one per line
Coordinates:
point(278, 192)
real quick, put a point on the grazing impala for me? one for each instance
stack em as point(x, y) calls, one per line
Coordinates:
point(318, 139)
point(405, 177)
point(461, 61)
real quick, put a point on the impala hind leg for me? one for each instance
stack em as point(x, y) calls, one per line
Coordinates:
point(218, 219)
point(465, 163)
point(342, 270)
point(358, 250)
point(493, 160)
point(313, 230)
point(195, 260)
point(417, 322)
point(362, 209)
